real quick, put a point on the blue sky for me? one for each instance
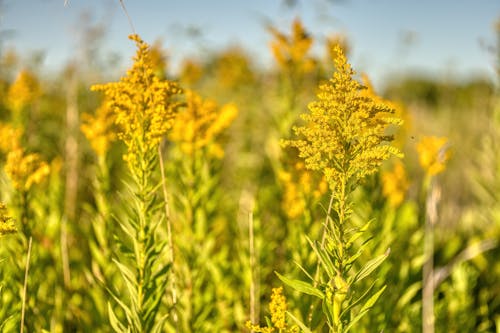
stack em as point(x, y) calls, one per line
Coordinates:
point(445, 35)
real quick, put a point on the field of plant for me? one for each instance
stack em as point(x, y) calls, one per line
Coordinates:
point(228, 198)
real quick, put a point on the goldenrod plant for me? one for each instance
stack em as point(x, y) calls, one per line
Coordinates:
point(195, 172)
point(345, 138)
point(151, 209)
point(145, 108)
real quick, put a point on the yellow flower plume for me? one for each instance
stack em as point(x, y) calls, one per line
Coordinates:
point(200, 123)
point(144, 105)
point(290, 52)
point(345, 132)
point(99, 128)
point(10, 137)
point(395, 184)
point(433, 153)
point(6, 223)
point(277, 308)
point(24, 91)
point(25, 170)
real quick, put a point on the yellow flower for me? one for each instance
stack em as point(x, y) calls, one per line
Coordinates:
point(25, 170)
point(99, 128)
point(395, 184)
point(6, 223)
point(158, 60)
point(299, 187)
point(144, 105)
point(345, 132)
point(233, 68)
point(24, 91)
point(433, 153)
point(290, 52)
point(200, 124)
point(334, 40)
point(191, 72)
point(10, 137)
point(277, 308)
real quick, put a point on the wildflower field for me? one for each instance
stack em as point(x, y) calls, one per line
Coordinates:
point(229, 198)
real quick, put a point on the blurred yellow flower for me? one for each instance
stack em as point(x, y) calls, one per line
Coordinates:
point(232, 68)
point(191, 72)
point(24, 170)
point(24, 91)
point(7, 225)
point(291, 52)
point(200, 124)
point(99, 128)
point(10, 137)
point(144, 105)
point(433, 153)
point(158, 60)
point(395, 184)
point(299, 187)
point(345, 132)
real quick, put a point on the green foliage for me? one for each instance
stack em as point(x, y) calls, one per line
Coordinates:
point(106, 264)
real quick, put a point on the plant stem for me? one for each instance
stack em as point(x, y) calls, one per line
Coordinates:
point(170, 239)
point(251, 244)
point(25, 286)
point(428, 267)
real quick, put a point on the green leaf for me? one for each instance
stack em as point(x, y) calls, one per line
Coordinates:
point(301, 286)
point(324, 258)
point(358, 300)
point(371, 266)
point(410, 292)
point(113, 320)
point(303, 327)
point(366, 307)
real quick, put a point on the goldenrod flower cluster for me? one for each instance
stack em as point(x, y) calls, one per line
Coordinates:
point(395, 184)
point(24, 91)
point(334, 40)
point(277, 308)
point(200, 123)
point(345, 132)
point(291, 51)
point(191, 72)
point(25, 170)
point(6, 223)
point(144, 105)
point(9, 137)
point(299, 185)
point(433, 153)
point(158, 60)
point(232, 69)
point(99, 128)
point(399, 111)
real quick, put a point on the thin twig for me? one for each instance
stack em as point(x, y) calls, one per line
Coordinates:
point(428, 267)
point(468, 253)
point(128, 16)
point(25, 286)
point(169, 237)
point(252, 268)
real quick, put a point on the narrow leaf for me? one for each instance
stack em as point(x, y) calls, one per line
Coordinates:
point(371, 266)
point(301, 286)
point(366, 307)
point(303, 327)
